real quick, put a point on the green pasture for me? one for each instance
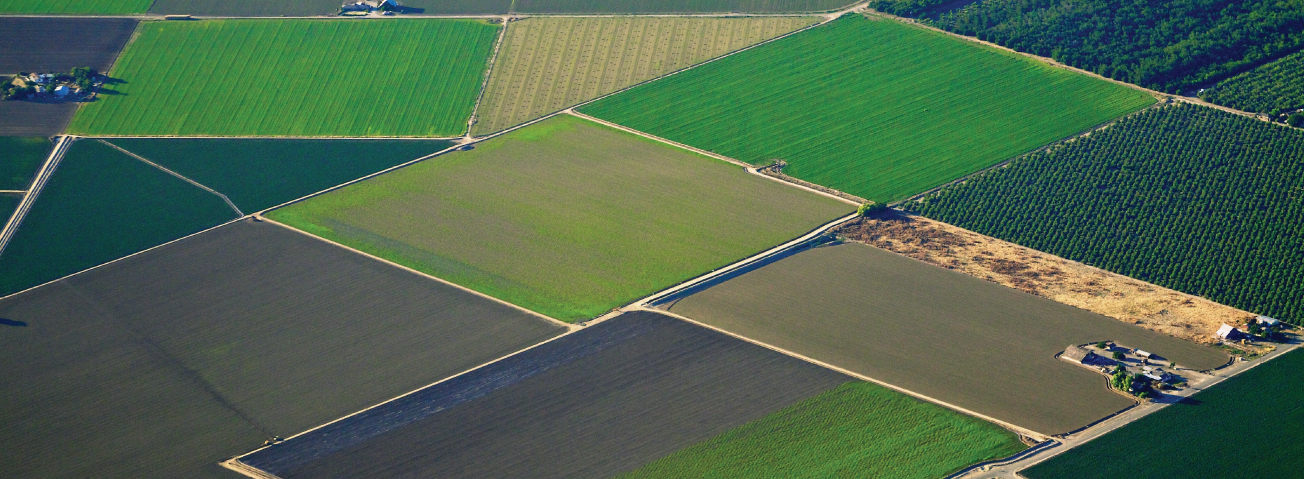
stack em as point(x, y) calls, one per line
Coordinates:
point(857, 430)
point(565, 217)
point(101, 205)
point(1240, 429)
point(274, 77)
point(102, 7)
point(20, 157)
point(257, 174)
point(871, 106)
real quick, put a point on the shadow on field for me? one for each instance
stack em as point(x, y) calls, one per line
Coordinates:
point(10, 322)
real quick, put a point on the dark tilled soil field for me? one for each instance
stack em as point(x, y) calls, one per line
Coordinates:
point(595, 403)
point(28, 118)
point(246, 8)
point(250, 320)
point(50, 44)
point(944, 334)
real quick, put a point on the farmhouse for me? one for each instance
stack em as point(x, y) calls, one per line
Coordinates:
point(367, 5)
point(1080, 355)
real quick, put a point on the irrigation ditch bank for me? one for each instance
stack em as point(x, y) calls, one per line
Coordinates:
point(34, 190)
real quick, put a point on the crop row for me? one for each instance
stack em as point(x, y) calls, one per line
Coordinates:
point(1186, 197)
point(1273, 88)
point(1170, 45)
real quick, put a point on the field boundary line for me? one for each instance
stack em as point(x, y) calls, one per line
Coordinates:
point(284, 137)
point(568, 326)
point(827, 18)
point(746, 166)
point(14, 191)
point(178, 175)
point(308, 196)
point(488, 72)
point(42, 176)
point(1060, 142)
point(265, 475)
point(1016, 429)
point(106, 263)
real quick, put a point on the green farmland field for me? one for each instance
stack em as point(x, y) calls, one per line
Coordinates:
point(414, 78)
point(1244, 428)
point(261, 173)
point(19, 160)
point(103, 7)
point(101, 205)
point(549, 63)
point(857, 430)
point(676, 6)
point(870, 106)
point(565, 217)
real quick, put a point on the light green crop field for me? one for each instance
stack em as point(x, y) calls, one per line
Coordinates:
point(104, 7)
point(857, 430)
point(415, 78)
point(566, 217)
point(871, 106)
point(549, 63)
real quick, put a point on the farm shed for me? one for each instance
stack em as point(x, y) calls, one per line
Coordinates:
point(1079, 354)
point(1266, 321)
point(1227, 332)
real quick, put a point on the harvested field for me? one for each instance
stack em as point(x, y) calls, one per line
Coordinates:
point(600, 401)
point(857, 430)
point(566, 217)
point(246, 8)
point(1216, 433)
point(870, 106)
point(677, 6)
point(52, 44)
point(458, 7)
point(261, 173)
point(191, 353)
point(1152, 307)
point(946, 335)
point(19, 160)
point(192, 93)
point(29, 118)
point(101, 205)
point(549, 63)
point(100, 7)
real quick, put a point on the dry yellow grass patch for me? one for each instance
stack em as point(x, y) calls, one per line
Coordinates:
point(1069, 282)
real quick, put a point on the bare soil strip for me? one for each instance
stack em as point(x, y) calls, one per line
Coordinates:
point(1128, 300)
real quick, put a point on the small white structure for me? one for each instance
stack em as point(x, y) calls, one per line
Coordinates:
point(1266, 321)
point(1227, 332)
point(366, 5)
point(1143, 354)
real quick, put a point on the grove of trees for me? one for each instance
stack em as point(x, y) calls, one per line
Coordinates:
point(1167, 45)
point(1276, 88)
point(1187, 197)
